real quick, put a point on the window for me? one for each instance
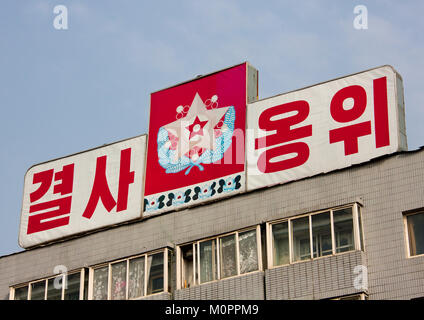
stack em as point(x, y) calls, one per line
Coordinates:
point(131, 278)
point(155, 272)
point(100, 289)
point(248, 251)
point(136, 277)
point(343, 229)
point(415, 233)
point(228, 262)
point(301, 240)
point(321, 234)
point(207, 261)
point(21, 293)
point(219, 258)
point(38, 290)
point(119, 280)
point(315, 235)
point(281, 251)
point(70, 286)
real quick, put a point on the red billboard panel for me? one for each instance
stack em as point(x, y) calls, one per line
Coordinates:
point(196, 140)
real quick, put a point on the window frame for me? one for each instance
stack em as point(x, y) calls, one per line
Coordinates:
point(362, 297)
point(165, 253)
point(81, 271)
point(357, 234)
point(407, 214)
point(217, 241)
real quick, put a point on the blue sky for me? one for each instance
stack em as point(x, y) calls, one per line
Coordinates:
point(65, 91)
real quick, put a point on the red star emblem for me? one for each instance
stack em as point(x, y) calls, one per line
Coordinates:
point(196, 128)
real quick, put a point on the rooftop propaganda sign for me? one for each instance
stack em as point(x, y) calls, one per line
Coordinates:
point(198, 133)
point(325, 127)
point(82, 192)
point(196, 139)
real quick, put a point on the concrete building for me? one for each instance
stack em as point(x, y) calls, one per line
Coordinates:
point(353, 233)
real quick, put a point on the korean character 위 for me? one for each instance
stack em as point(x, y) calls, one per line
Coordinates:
point(349, 134)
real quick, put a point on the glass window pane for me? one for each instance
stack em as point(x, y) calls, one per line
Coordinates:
point(343, 230)
point(228, 256)
point(136, 278)
point(195, 264)
point(361, 234)
point(248, 249)
point(72, 289)
point(301, 239)
point(119, 281)
point(54, 288)
point(321, 234)
point(280, 240)
point(21, 293)
point(207, 261)
point(85, 284)
point(38, 290)
point(169, 269)
point(155, 273)
point(416, 233)
point(100, 283)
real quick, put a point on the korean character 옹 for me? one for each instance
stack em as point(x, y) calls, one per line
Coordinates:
point(283, 133)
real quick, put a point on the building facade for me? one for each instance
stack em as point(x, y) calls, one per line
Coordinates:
point(354, 233)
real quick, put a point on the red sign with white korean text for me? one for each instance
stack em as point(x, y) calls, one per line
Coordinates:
point(196, 140)
point(82, 192)
point(325, 127)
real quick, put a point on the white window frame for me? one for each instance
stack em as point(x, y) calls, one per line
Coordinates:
point(164, 251)
point(405, 226)
point(356, 213)
point(362, 296)
point(46, 280)
point(216, 239)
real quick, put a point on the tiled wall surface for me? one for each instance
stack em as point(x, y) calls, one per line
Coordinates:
point(323, 278)
point(245, 287)
point(159, 296)
point(386, 188)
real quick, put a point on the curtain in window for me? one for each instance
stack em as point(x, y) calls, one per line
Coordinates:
point(119, 281)
point(100, 283)
point(136, 278)
point(207, 261)
point(416, 233)
point(411, 235)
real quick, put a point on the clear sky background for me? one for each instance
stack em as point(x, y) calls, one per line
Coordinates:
point(65, 91)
